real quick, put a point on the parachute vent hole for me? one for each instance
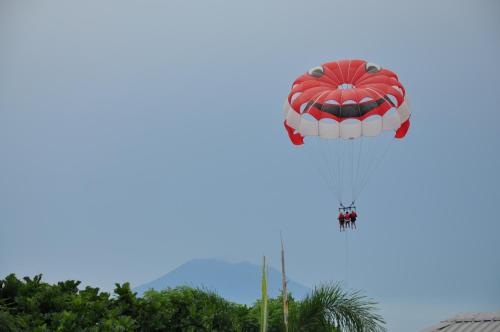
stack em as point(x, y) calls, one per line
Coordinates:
point(398, 88)
point(316, 71)
point(372, 67)
point(331, 102)
point(393, 100)
point(304, 107)
point(295, 96)
point(349, 102)
point(346, 86)
point(366, 99)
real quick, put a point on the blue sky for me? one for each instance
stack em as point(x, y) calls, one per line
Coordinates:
point(137, 136)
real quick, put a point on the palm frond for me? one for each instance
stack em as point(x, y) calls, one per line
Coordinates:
point(329, 306)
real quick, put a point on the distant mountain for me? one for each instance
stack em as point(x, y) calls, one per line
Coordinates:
point(238, 282)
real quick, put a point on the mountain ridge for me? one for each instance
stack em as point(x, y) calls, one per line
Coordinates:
point(236, 281)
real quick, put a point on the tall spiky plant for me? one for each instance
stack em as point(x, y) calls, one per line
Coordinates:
point(263, 306)
point(284, 286)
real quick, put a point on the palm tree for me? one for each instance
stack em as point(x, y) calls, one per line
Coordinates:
point(330, 308)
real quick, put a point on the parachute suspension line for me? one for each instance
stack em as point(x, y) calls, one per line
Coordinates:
point(352, 170)
point(331, 166)
point(322, 144)
point(365, 160)
point(369, 161)
point(315, 165)
point(356, 178)
point(342, 167)
point(339, 177)
point(331, 146)
point(326, 172)
point(331, 182)
point(375, 167)
point(346, 162)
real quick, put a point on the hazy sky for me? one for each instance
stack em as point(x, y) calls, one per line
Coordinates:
point(137, 135)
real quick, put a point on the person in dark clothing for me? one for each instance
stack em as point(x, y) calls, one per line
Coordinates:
point(354, 216)
point(341, 221)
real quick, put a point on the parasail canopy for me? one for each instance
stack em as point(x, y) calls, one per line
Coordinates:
point(346, 99)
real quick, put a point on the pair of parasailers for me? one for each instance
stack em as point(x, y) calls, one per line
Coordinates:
point(347, 217)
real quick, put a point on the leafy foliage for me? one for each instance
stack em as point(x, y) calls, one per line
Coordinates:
point(330, 308)
point(29, 304)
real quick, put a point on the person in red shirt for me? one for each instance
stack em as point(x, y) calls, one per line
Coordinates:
point(354, 216)
point(347, 217)
point(341, 221)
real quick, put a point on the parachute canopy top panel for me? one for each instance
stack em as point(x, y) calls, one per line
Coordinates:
point(346, 99)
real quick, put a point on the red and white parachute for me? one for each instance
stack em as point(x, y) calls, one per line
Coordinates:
point(340, 103)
